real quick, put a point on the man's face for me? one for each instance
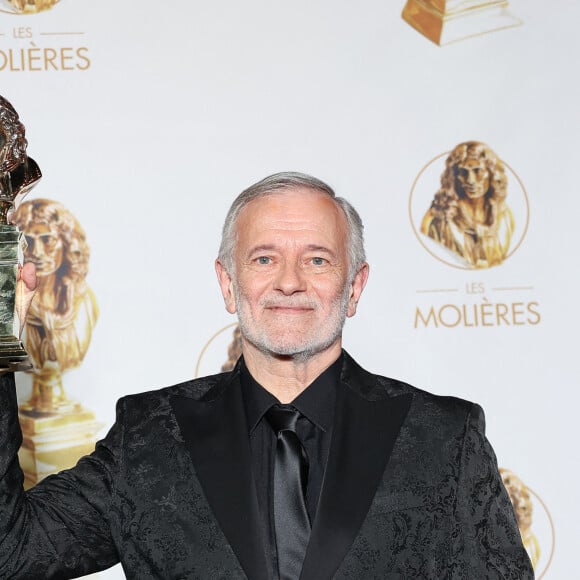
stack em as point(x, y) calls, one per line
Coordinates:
point(291, 289)
point(44, 248)
point(473, 178)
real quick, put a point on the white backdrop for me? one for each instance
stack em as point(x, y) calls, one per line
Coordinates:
point(166, 110)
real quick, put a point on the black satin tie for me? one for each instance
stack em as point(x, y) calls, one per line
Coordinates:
point(290, 477)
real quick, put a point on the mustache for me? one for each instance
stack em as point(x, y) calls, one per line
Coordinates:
point(289, 303)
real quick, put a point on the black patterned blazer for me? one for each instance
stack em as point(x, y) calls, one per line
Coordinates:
point(411, 491)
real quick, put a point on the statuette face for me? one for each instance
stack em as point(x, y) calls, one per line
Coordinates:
point(469, 214)
point(18, 172)
point(12, 138)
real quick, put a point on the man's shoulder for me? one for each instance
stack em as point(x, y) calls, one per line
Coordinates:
point(198, 389)
point(424, 399)
point(376, 387)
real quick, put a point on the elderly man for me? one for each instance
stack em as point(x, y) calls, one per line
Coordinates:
point(297, 464)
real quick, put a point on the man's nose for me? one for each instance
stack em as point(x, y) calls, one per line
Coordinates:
point(290, 278)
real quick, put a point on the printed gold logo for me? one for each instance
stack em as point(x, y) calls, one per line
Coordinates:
point(471, 211)
point(26, 6)
point(534, 522)
point(447, 21)
point(25, 48)
point(57, 431)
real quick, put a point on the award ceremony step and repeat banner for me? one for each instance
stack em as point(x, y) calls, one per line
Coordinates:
point(452, 125)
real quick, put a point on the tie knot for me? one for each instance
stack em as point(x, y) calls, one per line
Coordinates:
point(283, 417)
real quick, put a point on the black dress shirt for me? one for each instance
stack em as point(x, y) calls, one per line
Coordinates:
point(314, 429)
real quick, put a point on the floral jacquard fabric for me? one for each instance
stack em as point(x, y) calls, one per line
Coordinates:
point(441, 511)
point(437, 510)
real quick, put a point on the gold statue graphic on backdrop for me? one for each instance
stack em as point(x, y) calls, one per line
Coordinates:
point(58, 333)
point(64, 310)
point(29, 6)
point(523, 508)
point(445, 21)
point(469, 214)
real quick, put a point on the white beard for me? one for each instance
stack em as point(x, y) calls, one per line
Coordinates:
point(291, 345)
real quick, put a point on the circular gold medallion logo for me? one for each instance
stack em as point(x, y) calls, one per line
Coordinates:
point(220, 352)
point(26, 6)
point(468, 208)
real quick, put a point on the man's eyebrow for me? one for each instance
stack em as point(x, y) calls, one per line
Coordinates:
point(317, 248)
point(274, 247)
point(261, 248)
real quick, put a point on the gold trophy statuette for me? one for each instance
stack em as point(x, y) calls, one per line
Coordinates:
point(59, 324)
point(18, 174)
point(29, 6)
point(446, 21)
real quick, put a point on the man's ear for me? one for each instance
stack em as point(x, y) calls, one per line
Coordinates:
point(356, 288)
point(227, 286)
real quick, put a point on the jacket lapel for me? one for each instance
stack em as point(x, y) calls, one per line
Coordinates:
point(366, 425)
point(216, 435)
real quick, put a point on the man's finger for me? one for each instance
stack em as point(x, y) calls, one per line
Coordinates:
point(28, 275)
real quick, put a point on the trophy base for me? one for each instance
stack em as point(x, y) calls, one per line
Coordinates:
point(444, 28)
point(53, 443)
point(13, 357)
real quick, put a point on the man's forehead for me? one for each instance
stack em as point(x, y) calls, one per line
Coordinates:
point(292, 199)
point(291, 191)
point(296, 217)
point(294, 212)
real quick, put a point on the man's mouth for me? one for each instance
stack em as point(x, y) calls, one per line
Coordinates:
point(290, 309)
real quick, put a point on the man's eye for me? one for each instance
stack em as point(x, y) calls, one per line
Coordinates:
point(318, 261)
point(263, 260)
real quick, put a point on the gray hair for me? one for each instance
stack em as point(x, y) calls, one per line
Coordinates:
point(289, 180)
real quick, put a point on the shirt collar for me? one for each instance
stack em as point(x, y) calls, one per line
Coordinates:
point(316, 402)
